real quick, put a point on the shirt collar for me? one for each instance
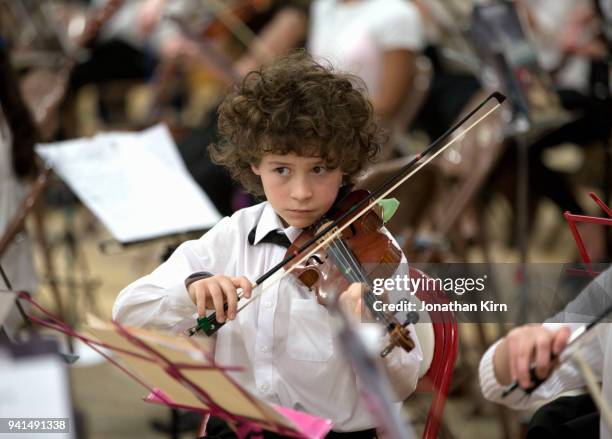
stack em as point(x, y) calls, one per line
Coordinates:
point(268, 221)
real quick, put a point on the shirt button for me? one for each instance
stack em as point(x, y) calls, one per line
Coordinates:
point(268, 304)
point(264, 387)
point(265, 349)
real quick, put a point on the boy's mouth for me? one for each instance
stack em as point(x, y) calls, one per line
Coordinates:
point(300, 211)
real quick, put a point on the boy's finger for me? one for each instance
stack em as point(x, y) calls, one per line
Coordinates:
point(245, 284)
point(358, 307)
point(200, 300)
point(217, 297)
point(229, 290)
point(355, 290)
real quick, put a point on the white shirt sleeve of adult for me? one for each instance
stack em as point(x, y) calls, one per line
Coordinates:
point(566, 377)
point(160, 300)
point(399, 26)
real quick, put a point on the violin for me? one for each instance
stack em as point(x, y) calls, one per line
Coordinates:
point(361, 253)
point(242, 11)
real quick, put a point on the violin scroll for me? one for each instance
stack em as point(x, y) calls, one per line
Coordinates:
point(399, 335)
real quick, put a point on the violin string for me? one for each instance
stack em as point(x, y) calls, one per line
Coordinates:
point(359, 276)
point(351, 267)
point(363, 278)
point(349, 259)
point(387, 272)
point(353, 271)
point(344, 258)
point(345, 261)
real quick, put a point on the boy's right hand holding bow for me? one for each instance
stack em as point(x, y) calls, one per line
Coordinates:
point(219, 293)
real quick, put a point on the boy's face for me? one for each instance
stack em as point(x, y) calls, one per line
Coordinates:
point(300, 189)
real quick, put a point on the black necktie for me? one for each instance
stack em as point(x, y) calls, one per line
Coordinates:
point(277, 237)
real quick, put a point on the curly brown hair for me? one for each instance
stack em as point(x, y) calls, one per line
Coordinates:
point(296, 105)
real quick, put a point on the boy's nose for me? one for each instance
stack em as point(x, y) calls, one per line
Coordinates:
point(301, 190)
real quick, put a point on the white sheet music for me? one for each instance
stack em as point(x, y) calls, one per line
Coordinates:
point(35, 387)
point(135, 183)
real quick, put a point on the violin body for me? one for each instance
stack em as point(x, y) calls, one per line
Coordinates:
point(363, 253)
point(242, 11)
point(376, 252)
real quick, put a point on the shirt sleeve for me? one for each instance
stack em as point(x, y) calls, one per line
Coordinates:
point(594, 298)
point(160, 300)
point(399, 26)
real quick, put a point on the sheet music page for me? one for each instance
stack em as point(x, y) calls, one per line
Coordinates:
point(35, 387)
point(223, 390)
point(135, 183)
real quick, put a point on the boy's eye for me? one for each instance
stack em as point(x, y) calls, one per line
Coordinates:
point(319, 169)
point(281, 170)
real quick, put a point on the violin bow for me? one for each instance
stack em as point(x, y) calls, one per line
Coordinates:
point(210, 325)
point(591, 381)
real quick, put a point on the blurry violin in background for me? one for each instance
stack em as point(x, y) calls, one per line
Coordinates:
point(240, 10)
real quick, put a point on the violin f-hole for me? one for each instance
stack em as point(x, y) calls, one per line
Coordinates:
point(309, 277)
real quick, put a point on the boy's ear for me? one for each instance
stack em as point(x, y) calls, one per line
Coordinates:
point(255, 169)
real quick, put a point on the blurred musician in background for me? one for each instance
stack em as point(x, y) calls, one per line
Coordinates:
point(18, 134)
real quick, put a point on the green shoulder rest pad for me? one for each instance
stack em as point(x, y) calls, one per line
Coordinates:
point(389, 207)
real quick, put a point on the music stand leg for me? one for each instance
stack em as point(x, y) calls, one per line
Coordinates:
point(607, 191)
point(49, 267)
point(174, 431)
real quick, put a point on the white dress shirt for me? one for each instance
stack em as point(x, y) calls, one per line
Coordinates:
point(354, 36)
point(283, 339)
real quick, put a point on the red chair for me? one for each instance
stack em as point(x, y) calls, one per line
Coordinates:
point(438, 338)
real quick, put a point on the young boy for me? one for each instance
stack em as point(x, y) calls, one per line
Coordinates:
point(294, 132)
